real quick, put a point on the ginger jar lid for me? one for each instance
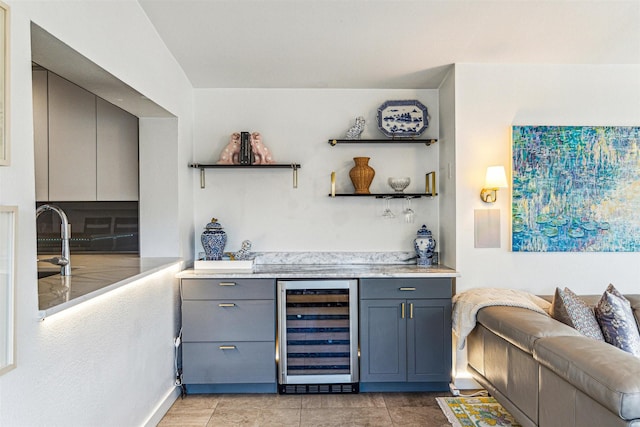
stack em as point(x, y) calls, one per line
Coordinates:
point(213, 225)
point(423, 232)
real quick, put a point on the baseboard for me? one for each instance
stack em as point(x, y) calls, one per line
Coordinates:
point(466, 383)
point(162, 408)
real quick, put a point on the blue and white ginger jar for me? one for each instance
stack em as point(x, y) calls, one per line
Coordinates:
point(424, 245)
point(213, 239)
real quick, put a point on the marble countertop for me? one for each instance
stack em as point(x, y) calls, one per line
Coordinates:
point(317, 271)
point(92, 275)
point(287, 265)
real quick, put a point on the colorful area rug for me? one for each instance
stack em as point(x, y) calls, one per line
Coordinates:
point(475, 412)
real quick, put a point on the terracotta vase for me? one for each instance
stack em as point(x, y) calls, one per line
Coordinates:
point(361, 175)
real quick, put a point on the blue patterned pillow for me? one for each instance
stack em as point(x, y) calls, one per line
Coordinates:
point(617, 322)
point(570, 309)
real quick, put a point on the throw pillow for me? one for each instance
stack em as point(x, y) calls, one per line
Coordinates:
point(570, 309)
point(616, 319)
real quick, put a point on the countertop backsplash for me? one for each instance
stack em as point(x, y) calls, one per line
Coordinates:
point(332, 258)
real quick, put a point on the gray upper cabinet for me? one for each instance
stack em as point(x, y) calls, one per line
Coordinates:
point(72, 141)
point(86, 149)
point(117, 153)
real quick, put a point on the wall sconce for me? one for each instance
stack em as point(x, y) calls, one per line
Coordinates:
point(496, 178)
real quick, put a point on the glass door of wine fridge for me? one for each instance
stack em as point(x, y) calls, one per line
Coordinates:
point(318, 336)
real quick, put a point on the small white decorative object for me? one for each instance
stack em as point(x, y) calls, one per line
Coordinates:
point(399, 184)
point(355, 131)
point(244, 252)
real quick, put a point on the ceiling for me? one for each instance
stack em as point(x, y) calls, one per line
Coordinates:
point(392, 44)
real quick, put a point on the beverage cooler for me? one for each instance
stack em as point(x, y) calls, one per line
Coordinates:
point(317, 336)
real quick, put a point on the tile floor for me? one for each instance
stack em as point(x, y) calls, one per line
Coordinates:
point(364, 409)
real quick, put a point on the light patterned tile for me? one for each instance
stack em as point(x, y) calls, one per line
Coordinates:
point(223, 417)
point(362, 400)
point(193, 418)
point(423, 416)
point(343, 417)
point(394, 400)
point(279, 418)
point(260, 401)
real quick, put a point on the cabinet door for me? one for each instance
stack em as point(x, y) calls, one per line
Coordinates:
point(117, 153)
point(41, 134)
point(429, 340)
point(72, 141)
point(382, 341)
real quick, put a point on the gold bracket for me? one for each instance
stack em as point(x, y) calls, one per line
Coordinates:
point(430, 184)
point(295, 175)
point(333, 184)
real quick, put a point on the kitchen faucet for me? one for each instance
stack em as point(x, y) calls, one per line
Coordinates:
point(64, 261)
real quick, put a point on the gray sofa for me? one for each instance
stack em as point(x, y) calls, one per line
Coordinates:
point(547, 374)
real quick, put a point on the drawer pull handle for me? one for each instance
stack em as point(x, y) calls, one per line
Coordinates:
point(407, 289)
point(227, 347)
point(227, 284)
point(226, 304)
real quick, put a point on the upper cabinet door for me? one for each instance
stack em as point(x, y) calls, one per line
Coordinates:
point(72, 141)
point(117, 149)
point(41, 134)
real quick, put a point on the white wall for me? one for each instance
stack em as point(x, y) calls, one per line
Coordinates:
point(109, 362)
point(489, 100)
point(296, 124)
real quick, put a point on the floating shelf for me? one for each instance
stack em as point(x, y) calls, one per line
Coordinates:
point(386, 195)
point(427, 142)
point(203, 166)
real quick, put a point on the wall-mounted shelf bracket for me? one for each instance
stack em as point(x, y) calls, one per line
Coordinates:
point(202, 167)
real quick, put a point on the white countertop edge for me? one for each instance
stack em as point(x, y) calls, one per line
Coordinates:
point(166, 263)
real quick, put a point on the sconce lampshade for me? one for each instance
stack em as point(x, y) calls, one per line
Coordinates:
point(495, 178)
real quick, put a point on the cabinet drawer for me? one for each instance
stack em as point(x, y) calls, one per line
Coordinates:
point(405, 288)
point(240, 362)
point(219, 320)
point(228, 288)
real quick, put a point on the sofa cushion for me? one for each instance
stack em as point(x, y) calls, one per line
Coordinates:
point(616, 319)
point(520, 326)
point(606, 374)
point(570, 309)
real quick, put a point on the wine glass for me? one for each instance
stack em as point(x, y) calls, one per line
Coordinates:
point(387, 213)
point(409, 214)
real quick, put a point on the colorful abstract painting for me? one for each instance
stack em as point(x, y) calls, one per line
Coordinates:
point(576, 189)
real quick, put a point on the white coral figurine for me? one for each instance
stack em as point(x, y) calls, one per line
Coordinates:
point(355, 131)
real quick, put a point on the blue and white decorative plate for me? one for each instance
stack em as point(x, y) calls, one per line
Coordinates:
point(402, 119)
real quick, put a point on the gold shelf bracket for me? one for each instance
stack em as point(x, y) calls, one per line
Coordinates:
point(430, 183)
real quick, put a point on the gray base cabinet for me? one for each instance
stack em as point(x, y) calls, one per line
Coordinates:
point(405, 333)
point(228, 333)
